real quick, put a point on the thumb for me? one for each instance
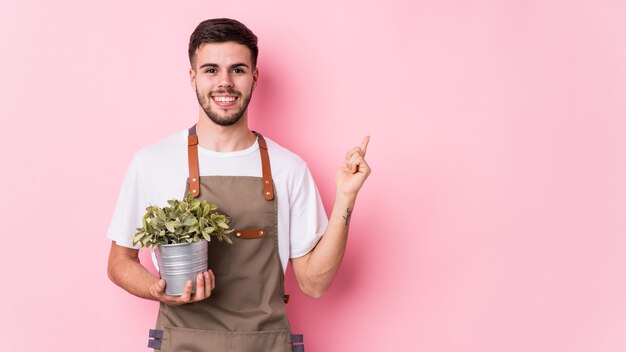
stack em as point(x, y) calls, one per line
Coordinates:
point(160, 285)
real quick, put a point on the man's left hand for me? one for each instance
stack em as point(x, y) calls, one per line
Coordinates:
point(352, 175)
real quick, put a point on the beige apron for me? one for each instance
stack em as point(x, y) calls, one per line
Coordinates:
point(246, 310)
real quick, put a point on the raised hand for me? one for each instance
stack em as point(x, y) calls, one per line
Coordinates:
point(351, 176)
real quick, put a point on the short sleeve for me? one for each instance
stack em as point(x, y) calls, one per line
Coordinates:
point(129, 208)
point(307, 217)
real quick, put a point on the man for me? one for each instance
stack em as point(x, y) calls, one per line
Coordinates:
point(238, 303)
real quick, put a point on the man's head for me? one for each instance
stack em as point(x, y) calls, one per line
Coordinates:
point(223, 54)
point(221, 30)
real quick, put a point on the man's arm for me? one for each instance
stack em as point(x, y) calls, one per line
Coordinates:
point(316, 270)
point(125, 270)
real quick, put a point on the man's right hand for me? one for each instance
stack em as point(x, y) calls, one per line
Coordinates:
point(205, 283)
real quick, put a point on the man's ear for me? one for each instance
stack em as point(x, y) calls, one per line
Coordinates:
point(192, 78)
point(255, 78)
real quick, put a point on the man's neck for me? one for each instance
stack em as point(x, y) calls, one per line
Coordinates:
point(224, 138)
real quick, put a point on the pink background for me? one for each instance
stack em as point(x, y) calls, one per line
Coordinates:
point(494, 216)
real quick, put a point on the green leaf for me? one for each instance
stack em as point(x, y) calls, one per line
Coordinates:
point(190, 221)
point(189, 197)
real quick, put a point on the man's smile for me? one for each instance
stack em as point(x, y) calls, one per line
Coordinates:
point(225, 100)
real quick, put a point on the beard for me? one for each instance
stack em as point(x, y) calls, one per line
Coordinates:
point(228, 120)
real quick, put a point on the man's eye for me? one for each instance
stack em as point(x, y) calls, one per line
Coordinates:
point(211, 70)
point(238, 70)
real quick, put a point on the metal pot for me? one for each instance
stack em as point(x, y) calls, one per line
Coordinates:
point(179, 263)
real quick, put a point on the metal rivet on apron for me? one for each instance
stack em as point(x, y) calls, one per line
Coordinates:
point(267, 182)
point(238, 234)
point(194, 180)
point(260, 233)
point(267, 193)
point(194, 191)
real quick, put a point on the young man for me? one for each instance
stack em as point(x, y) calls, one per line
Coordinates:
point(238, 304)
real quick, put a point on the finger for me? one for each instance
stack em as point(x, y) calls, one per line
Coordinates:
point(157, 289)
point(212, 280)
point(354, 162)
point(364, 144)
point(186, 296)
point(160, 286)
point(199, 287)
point(351, 152)
point(207, 284)
point(361, 166)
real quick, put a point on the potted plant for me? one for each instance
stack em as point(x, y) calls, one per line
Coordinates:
point(180, 234)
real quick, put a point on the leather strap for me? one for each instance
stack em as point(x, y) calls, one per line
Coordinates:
point(157, 334)
point(297, 343)
point(156, 338)
point(250, 233)
point(194, 168)
point(155, 344)
point(268, 185)
point(192, 156)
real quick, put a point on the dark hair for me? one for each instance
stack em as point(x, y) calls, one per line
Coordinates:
point(221, 30)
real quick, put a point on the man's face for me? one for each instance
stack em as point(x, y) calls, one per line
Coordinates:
point(224, 79)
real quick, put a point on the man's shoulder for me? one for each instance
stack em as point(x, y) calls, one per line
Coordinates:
point(284, 156)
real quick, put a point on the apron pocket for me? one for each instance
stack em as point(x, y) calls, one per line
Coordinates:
point(198, 340)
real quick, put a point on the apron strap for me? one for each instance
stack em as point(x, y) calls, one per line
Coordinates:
point(194, 167)
point(156, 338)
point(297, 343)
point(192, 156)
point(268, 186)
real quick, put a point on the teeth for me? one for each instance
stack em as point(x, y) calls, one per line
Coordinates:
point(224, 99)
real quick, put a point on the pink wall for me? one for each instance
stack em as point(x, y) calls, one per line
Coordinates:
point(494, 217)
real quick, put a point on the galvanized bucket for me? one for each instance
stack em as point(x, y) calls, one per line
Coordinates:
point(179, 263)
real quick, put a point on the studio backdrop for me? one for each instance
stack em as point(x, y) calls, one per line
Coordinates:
point(494, 218)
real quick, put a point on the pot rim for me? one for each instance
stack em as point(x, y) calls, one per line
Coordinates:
point(179, 244)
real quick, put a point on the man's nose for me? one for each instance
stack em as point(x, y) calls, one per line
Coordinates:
point(225, 80)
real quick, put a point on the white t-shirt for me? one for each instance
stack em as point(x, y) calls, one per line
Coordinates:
point(159, 172)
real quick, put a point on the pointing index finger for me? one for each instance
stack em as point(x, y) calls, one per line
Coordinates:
point(364, 144)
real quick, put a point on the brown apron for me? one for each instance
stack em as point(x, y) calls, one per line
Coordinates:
point(246, 310)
